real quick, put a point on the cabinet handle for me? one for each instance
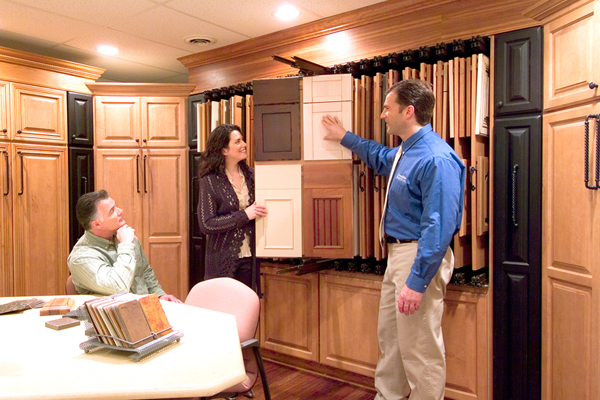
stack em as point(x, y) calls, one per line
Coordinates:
point(500, 104)
point(22, 185)
point(145, 188)
point(362, 187)
point(593, 85)
point(586, 150)
point(137, 172)
point(4, 130)
point(85, 184)
point(7, 173)
point(472, 170)
point(514, 195)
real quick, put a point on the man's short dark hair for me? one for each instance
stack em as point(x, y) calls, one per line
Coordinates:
point(416, 93)
point(87, 207)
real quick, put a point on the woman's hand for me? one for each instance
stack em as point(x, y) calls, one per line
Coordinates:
point(256, 211)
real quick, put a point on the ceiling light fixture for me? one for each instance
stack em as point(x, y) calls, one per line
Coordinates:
point(108, 50)
point(287, 12)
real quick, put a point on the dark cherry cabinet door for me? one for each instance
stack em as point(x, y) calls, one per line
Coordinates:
point(80, 113)
point(277, 132)
point(276, 91)
point(517, 269)
point(197, 238)
point(518, 72)
point(81, 181)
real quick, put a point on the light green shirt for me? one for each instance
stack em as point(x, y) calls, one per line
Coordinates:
point(100, 266)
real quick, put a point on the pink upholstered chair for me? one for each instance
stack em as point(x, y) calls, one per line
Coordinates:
point(70, 286)
point(233, 297)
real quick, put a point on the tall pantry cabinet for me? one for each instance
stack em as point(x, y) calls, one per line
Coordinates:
point(33, 144)
point(570, 210)
point(141, 159)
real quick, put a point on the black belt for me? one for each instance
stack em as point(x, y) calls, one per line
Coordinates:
point(391, 239)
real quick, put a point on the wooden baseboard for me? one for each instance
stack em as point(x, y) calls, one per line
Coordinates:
point(319, 369)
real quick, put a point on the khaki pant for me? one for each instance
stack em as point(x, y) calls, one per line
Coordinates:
point(413, 356)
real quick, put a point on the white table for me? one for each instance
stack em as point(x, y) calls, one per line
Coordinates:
point(40, 363)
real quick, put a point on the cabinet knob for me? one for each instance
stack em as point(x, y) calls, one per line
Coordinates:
point(73, 136)
point(593, 85)
point(500, 104)
point(144, 140)
point(137, 140)
point(4, 130)
point(19, 131)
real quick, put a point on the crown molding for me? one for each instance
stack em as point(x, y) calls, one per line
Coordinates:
point(545, 8)
point(23, 58)
point(141, 89)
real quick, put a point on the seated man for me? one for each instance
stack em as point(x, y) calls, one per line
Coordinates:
point(108, 258)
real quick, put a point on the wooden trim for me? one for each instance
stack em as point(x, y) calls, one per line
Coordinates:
point(140, 89)
point(544, 8)
point(50, 64)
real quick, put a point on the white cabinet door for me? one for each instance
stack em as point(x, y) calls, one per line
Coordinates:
point(279, 188)
point(327, 88)
point(315, 148)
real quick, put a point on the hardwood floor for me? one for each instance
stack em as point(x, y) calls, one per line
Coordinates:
point(286, 383)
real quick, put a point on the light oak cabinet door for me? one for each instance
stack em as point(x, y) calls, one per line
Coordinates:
point(6, 221)
point(570, 259)
point(163, 121)
point(349, 305)
point(571, 57)
point(165, 217)
point(279, 188)
point(289, 322)
point(39, 114)
point(117, 121)
point(119, 171)
point(40, 219)
point(4, 110)
point(466, 338)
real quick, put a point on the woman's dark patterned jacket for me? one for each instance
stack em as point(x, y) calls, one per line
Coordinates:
point(224, 224)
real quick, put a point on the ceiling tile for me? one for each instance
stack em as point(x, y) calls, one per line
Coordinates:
point(333, 7)
point(158, 25)
point(132, 48)
point(251, 18)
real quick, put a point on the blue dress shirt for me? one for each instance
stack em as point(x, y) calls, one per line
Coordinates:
point(425, 199)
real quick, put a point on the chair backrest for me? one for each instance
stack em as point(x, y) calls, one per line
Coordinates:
point(229, 296)
point(70, 286)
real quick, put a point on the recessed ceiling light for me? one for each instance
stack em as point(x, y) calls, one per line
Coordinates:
point(108, 50)
point(287, 12)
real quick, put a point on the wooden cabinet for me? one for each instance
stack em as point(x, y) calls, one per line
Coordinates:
point(80, 111)
point(349, 304)
point(6, 222)
point(40, 209)
point(289, 322)
point(279, 188)
point(39, 114)
point(465, 326)
point(570, 57)
point(4, 110)
point(142, 161)
point(81, 181)
point(570, 260)
point(518, 72)
point(327, 210)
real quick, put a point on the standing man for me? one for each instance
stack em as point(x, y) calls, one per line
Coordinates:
point(108, 258)
point(423, 211)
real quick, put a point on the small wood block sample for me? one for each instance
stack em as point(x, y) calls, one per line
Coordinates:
point(58, 306)
point(62, 323)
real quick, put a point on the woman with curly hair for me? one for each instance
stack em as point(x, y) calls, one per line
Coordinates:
point(227, 209)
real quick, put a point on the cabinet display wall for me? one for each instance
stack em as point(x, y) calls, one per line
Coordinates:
point(141, 159)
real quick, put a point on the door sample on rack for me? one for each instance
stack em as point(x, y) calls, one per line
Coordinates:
point(327, 210)
point(327, 88)
point(279, 188)
point(277, 134)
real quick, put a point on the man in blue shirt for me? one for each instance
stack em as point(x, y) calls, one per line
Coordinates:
point(423, 211)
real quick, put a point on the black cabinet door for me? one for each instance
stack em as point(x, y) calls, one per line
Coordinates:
point(517, 270)
point(80, 113)
point(518, 72)
point(197, 238)
point(81, 181)
point(193, 102)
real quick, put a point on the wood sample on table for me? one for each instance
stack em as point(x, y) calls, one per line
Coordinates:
point(62, 323)
point(21, 305)
point(133, 322)
point(58, 306)
point(155, 315)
